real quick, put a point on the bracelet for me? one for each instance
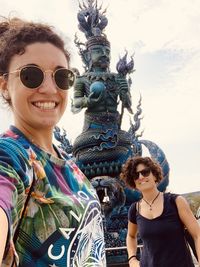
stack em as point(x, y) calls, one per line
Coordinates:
point(133, 256)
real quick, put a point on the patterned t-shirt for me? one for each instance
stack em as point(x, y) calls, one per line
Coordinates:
point(62, 223)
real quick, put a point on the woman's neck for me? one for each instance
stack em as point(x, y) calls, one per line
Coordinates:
point(150, 195)
point(39, 137)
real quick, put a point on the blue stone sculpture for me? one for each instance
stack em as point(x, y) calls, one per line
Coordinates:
point(103, 147)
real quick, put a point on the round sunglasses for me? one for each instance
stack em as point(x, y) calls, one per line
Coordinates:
point(145, 172)
point(32, 77)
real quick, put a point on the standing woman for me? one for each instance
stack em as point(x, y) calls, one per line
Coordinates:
point(49, 212)
point(159, 218)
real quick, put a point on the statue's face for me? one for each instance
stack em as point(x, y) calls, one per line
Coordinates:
point(100, 56)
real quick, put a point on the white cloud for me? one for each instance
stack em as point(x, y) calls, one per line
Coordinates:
point(155, 24)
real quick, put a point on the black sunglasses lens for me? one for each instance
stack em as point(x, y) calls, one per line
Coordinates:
point(144, 173)
point(64, 78)
point(32, 77)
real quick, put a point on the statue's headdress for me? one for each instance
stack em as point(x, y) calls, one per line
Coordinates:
point(92, 22)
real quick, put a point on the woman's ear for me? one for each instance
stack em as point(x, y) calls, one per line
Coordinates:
point(5, 94)
point(4, 89)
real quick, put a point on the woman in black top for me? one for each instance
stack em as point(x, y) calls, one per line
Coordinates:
point(159, 219)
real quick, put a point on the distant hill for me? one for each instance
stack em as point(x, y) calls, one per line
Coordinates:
point(194, 200)
point(191, 193)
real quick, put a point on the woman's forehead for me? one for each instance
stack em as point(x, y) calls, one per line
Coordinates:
point(45, 55)
point(140, 166)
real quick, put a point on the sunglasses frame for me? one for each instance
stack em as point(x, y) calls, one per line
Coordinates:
point(145, 173)
point(44, 76)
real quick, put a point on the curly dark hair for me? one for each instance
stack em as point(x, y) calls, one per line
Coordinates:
point(129, 169)
point(16, 34)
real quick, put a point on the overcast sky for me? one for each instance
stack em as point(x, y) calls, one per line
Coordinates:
point(164, 36)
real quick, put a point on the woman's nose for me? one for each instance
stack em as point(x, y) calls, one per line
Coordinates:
point(141, 176)
point(48, 85)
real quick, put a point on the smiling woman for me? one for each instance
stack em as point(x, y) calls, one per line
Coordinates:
point(159, 218)
point(49, 212)
point(43, 101)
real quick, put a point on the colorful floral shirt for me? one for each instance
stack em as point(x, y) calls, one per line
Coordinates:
point(62, 223)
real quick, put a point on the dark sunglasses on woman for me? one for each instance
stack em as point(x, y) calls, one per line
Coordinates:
point(145, 172)
point(33, 76)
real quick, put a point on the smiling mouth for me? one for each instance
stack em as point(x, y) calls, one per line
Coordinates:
point(46, 105)
point(143, 182)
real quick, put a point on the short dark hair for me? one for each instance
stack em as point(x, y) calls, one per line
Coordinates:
point(129, 169)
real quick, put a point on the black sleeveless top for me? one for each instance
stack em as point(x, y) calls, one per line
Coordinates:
point(162, 237)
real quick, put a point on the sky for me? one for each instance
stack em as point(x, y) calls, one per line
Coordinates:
point(164, 37)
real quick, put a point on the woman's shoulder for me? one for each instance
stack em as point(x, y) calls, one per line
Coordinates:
point(12, 145)
point(132, 209)
point(171, 196)
point(171, 199)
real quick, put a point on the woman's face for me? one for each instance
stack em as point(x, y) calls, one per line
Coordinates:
point(42, 107)
point(146, 180)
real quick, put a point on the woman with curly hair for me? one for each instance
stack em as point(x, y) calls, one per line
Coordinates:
point(159, 219)
point(50, 214)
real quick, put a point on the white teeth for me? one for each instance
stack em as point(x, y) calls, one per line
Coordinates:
point(144, 182)
point(45, 105)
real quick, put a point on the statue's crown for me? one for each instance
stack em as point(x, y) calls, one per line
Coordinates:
point(92, 22)
point(97, 40)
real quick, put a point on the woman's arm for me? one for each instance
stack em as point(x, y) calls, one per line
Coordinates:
point(189, 221)
point(131, 242)
point(3, 232)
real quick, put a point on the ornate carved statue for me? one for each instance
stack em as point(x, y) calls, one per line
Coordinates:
point(102, 147)
point(100, 92)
